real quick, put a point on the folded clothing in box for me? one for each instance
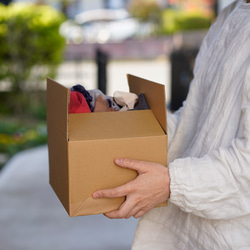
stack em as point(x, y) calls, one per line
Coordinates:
point(86, 101)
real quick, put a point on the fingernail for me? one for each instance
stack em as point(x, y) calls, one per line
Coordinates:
point(95, 195)
point(118, 160)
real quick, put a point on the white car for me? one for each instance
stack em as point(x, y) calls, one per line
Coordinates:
point(100, 26)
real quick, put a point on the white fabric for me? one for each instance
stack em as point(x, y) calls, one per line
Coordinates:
point(125, 99)
point(209, 148)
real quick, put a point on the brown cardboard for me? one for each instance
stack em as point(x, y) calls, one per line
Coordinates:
point(82, 147)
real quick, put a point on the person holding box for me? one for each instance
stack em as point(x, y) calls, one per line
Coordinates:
point(207, 180)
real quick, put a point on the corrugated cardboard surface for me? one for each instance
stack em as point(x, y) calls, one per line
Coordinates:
point(155, 96)
point(57, 129)
point(82, 147)
point(92, 168)
point(113, 125)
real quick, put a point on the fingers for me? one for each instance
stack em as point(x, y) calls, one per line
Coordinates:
point(127, 210)
point(117, 214)
point(139, 166)
point(112, 192)
point(109, 193)
point(147, 190)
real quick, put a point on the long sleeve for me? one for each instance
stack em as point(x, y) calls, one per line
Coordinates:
point(216, 186)
point(174, 118)
point(172, 121)
point(209, 148)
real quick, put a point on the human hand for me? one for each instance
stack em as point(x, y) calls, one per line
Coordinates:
point(150, 188)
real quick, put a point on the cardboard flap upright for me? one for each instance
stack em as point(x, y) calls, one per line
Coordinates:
point(82, 147)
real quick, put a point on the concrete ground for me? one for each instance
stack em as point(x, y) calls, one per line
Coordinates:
point(31, 216)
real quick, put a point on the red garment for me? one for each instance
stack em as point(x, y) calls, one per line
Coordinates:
point(78, 103)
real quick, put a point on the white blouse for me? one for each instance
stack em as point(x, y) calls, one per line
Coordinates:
point(209, 148)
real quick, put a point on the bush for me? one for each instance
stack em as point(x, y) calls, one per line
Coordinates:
point(17, 135)
point(31, 49)
point(31, 46)
point(30, 104)
point(146, 11)
point(177, 20)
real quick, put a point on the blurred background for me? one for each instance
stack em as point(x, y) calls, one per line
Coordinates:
point(94, 43)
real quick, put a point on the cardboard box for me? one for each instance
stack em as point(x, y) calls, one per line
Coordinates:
point(82, 147)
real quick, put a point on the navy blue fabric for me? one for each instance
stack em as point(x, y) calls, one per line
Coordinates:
point(142, 103)
point(79, 88)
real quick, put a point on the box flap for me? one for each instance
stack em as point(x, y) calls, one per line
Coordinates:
point(57, 107)
point(57, 116)
point(155, 96)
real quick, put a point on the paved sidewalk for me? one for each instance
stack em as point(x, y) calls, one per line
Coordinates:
point(32, 218)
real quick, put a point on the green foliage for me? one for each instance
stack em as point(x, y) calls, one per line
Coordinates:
point(146, 10)
point(177, 20)
point(30, 104)
point(29, 37)
point(22, 122)
point(17, 135)
point(31, 48)
point(169, 21)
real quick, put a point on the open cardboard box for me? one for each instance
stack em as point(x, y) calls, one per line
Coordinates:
point(82, 147)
